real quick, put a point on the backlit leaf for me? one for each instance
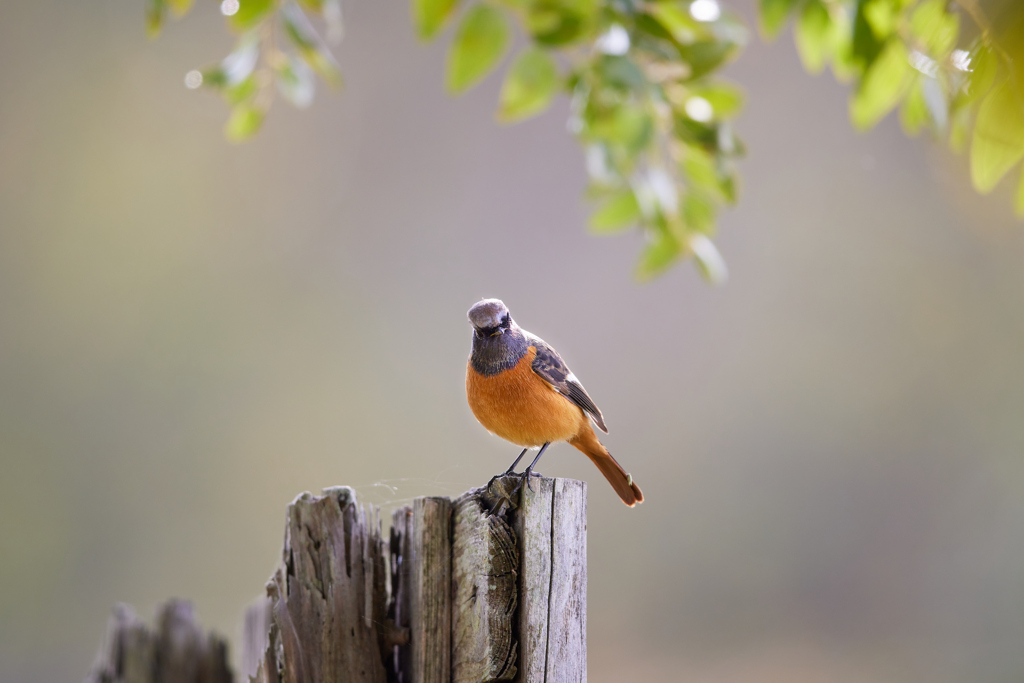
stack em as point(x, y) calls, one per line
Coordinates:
point(430, 16)
point(914, 111)
point(155, 12)
point(658, 255)
point(699, 213)
point(998, 142)
point(1018, 200)
point(529, 86)
point(813, 36)
point(616, 214)
point(881, 17)
point(707, 55)
point(480, 42)
point(983, 66)
point(882, 86)
point(936, 27)
point(676, 19)
point(774, 14)
point(243, 123)
point(250, 13)
point(726, 100)
point(180, 7)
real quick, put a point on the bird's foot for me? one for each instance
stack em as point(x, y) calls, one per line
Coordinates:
point(525, 476)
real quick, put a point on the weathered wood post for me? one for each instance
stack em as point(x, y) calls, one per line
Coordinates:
point(175, 651)
point(489, 587)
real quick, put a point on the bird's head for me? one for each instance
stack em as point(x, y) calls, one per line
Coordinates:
point(490, 318)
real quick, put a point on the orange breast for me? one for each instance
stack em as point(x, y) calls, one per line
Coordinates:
point(519, 406)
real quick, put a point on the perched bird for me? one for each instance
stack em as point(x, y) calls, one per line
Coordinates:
point(520, 389)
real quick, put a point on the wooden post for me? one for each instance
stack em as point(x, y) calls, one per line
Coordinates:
point(489, 587)
point(552, 527)
point(421, 533)
point(484, 566)
point(175, 651)
point(329, 595)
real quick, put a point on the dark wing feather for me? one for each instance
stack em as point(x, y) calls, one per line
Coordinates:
point(550, 366)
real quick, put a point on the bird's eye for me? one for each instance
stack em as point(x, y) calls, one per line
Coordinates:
point(506, 321)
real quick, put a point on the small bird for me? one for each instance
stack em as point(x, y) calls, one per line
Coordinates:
point(520, 389)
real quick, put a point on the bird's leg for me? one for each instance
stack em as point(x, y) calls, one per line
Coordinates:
point(528, 472)
point(512, 468)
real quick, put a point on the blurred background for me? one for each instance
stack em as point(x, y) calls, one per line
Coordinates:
point(191, 333)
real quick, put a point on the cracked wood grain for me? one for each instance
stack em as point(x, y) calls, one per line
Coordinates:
point(551, 524)
point(484, 562)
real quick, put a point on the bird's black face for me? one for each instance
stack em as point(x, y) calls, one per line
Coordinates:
point(503, 326)
point(498, 343)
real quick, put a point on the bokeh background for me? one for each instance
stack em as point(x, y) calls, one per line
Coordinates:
point(831, 445)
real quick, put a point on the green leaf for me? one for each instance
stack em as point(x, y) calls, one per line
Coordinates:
point(998, 142)
point(615, 215)
point(707, 55)
point(629, 127)
point(479, 44)
point(250, 13)
point(983, 68)
point(726, 100)
point(243, 123)
point(882, 86)
point(620, 72)
point(554, 23)
point(881, 17)
point(1018, 200)
point(658, 255)
point(155, 13)
point(311, 47)
point(960, 129)
point(774, 14)
point(699, 167)
point(241, 91)
point(699, 213)
point(814, 37)
point(914, 111)
point(865, 46)
point(935, 27)
point(529, 86)
point(430, 16)
point(180, 7)
point(676, 19)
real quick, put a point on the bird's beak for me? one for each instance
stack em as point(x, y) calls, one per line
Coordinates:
point(500, 331)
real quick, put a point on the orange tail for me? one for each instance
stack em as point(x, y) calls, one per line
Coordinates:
point(623, 484)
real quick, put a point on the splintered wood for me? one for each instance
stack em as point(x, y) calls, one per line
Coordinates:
point(489, 587)
point(329, 596)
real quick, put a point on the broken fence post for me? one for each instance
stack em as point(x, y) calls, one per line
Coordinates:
point(489, 587)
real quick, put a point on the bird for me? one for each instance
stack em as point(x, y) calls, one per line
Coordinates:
point(520, 389)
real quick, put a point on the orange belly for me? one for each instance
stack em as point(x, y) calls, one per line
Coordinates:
point(519, 406)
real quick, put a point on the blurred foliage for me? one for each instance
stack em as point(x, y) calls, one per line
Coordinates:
point(646, 102)
point(948, 67)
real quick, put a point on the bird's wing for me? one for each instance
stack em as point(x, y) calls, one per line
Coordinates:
point(553, 370)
